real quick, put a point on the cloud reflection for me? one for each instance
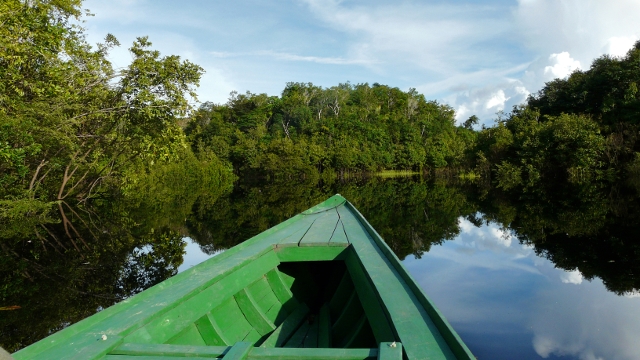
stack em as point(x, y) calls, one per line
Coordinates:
point(507, 302)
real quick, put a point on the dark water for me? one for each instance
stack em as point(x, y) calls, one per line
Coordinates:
point(551, 273)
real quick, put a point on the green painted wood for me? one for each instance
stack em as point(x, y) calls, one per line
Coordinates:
point(252, 337)
point(311, 339)
point(327, 205)
point(380, 324)
point(390, 351)
point(266, 300)
point(339, 235)
point(229, 317)
point(312, 354)
point(324, 327)
point(344, 325)
point(153, 357)
point(282, 291)
point(189, 336)
point(310, 253)
point(287, 328)
point(252, 313)
point(239, 351)
point(162, 351)
point(415, 328)
point(456, 344)
point(211, 332)
point(297, 339)
point(341, 296)
point(179, 317)
point(355, 332)
point(287, 279)
point(321, 230)
point(96, 350)
point(167, 350)
point(293, 238)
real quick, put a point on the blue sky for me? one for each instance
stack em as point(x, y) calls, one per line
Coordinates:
point(478, 57)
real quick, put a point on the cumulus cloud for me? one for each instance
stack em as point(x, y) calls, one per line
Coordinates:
point(619, 45)
point(562, 65)
point(487, 100)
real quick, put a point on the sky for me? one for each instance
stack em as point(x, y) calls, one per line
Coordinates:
point(479, 57)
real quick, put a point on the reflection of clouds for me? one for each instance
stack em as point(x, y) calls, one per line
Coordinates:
point(502, 284)
point(586, 322)
point(488, 237)
point(571, 277)
point(632, 294)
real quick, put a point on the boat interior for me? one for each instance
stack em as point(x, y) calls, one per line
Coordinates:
point(297, 304)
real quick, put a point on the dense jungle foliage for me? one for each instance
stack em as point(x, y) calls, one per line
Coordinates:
point(310, 130)
point(583, 128)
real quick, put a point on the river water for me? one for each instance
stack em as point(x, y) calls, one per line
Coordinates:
point(551, 273)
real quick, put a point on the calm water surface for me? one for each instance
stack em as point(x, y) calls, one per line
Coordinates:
point(508, 303)
point(538, 277)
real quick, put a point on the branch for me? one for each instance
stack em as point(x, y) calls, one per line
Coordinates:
point(35, 175)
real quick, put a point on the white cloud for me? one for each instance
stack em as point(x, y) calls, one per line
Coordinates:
point(619, 45)
point(435, 38)
point(497, 100)
point(580, 27)
point(485, 101)
point(562, 65)
point(293, 57)
point(571, 277)
point(488, 238)
point(585, 322)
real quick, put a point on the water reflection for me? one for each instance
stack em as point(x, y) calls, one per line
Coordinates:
point(523, 276)
point(508, 303)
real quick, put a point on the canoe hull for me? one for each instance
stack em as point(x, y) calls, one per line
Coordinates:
point(321, 281)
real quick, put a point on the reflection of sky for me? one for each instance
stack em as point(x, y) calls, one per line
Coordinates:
point(508, 303)
point(194, 255)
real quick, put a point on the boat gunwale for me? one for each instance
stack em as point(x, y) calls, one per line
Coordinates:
point(450, 336)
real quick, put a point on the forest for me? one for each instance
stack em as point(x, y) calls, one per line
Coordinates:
point(74, 129)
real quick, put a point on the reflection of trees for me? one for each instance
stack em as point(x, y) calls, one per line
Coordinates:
point(589, 227)
point(76, 266)
point(409, 214)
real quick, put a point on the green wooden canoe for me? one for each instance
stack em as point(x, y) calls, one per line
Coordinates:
point(321, 285)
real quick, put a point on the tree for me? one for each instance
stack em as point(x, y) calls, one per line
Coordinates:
point(72, 126)
point(472, 120)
